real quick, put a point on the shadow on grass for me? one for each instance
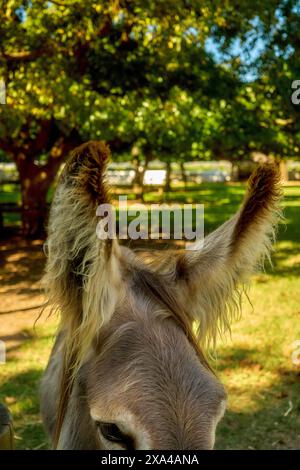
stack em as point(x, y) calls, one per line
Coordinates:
point(21, 394)
point(20, 264)
point(235, 358)
point(288, 246)
point(24, 338)
point(274, 424)
point(271, 419)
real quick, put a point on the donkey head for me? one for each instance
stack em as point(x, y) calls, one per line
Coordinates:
point(133, 373)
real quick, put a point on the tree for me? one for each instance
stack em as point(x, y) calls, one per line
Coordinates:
point(139, 75)
point(267, 36)
point(78, 70)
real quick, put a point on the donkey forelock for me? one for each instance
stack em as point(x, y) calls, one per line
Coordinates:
point(129, 371)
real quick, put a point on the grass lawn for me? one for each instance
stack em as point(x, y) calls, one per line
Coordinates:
point(255, 364)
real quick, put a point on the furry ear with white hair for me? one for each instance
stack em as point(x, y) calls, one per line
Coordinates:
point(211, 279)
point(82, 277)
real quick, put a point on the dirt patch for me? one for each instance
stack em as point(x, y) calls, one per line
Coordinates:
point(21, 297)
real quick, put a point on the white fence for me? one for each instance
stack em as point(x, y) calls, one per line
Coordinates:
point(126, 176)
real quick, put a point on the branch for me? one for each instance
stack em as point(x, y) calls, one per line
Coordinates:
point(59, 4)
point(26, 56)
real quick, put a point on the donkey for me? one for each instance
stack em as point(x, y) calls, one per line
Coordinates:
point(127, 370)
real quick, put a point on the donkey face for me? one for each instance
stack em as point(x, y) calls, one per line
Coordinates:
point(147, 388)
point(129, 372)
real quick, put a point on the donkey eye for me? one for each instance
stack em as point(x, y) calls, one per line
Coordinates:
point(111, 432)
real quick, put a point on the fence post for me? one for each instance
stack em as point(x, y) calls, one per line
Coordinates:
point(6, 429)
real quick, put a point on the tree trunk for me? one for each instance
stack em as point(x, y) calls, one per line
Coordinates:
point(168, 177)
point(137, 179)
point(140, 173)
point(282, 167)
point(34, 208)
point(143, 175)
point(234, 172)
point(36, 179)
point(283, 170)
point(183, 174)
point(35, 182)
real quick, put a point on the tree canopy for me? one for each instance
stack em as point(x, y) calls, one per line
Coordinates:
point(179, 80)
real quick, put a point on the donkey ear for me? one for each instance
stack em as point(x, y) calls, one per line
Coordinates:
point(82, 277)
point(211, 277)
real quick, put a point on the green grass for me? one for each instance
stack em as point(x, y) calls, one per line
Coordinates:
point(19, 380)
point(255, 365)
